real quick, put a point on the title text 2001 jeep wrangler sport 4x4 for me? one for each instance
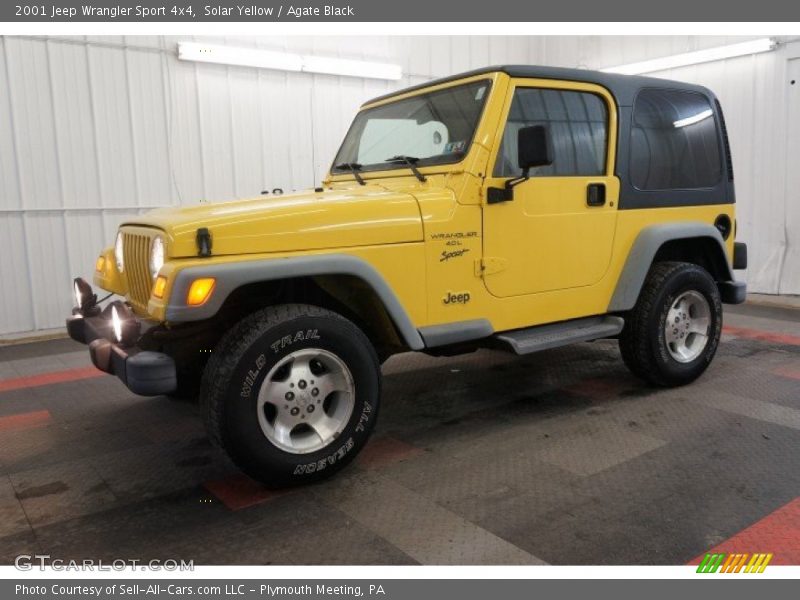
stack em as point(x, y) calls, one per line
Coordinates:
point(514, 207)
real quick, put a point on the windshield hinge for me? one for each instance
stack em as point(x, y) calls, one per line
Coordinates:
point(489, 265)
point(203, 240)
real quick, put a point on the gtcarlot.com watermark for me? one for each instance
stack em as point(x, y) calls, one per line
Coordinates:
point(30, 562)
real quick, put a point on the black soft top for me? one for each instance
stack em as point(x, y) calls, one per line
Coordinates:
point(622, 87)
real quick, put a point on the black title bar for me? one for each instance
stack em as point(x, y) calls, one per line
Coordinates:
point(150, 11)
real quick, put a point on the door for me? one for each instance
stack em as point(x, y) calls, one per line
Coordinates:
point(557, 231)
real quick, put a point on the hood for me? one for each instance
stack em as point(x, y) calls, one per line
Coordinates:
point(361, 216)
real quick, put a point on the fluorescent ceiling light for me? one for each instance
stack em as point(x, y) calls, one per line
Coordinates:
point(693, 119)
point(286, 61)
point(354, 68)
point(245, 57)
point(695, 58)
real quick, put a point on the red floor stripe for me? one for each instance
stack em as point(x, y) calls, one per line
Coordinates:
point(788, 372)
point(25, 420)
point(7, 385)
point(239, 491)
point(778, 532)
point(762, 336)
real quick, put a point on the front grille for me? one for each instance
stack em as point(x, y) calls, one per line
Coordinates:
point(136, 249)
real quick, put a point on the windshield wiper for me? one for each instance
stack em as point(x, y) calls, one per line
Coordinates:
point(411, 161)
point(354, 168)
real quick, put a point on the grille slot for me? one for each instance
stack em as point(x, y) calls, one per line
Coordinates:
point(136, 248)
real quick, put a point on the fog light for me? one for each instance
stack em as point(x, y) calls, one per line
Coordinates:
point(116, 323)
point(159, 286)
point(200, 291)
point(124, 324)
point(85, 298)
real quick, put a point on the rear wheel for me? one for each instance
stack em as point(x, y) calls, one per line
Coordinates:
point(291, 393)
point(672, 333)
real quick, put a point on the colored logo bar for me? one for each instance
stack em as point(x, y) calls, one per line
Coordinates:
point(734, 563)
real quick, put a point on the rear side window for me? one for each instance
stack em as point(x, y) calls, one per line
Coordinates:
point(578, 125)
point(674, 142)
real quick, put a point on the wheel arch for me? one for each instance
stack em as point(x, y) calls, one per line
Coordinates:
point(693, 242)
point(347, 284)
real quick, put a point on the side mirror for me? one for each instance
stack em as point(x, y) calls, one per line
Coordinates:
point(534, 149)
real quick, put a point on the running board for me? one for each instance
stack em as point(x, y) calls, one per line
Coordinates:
point(544, 337)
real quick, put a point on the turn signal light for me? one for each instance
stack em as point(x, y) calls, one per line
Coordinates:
point(100, 264)
point(200, 291)
point(159, 286)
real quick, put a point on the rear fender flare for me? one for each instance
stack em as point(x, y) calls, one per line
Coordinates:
point(643, 251)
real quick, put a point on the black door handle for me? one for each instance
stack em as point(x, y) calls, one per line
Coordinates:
point(596, 194)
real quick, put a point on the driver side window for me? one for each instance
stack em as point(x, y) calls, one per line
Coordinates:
point(578, 126)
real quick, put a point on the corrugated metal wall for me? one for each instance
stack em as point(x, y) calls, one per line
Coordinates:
point(95, 129)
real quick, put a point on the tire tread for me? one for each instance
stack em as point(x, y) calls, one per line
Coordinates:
point(225, 358)
point(635, 343)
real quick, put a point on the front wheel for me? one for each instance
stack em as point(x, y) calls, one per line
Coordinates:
point(292, 393)
point(672, 333)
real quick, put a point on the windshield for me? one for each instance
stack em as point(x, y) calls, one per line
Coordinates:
point(434, 128)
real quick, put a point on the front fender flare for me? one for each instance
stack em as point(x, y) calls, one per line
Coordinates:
point(230, 276)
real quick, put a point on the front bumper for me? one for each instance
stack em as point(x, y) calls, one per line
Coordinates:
point(144, 372)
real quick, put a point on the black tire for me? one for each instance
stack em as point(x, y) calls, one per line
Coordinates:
point(643, 341)
point(239, 365)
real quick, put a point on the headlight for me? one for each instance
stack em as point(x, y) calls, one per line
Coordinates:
point(118, 253)
point(156, 256)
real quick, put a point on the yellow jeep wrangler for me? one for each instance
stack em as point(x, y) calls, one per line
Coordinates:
point(514, 207)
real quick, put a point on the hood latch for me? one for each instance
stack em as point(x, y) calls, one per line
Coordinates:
point(203, 242)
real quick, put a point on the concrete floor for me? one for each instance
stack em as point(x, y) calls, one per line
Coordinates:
point(560, 457)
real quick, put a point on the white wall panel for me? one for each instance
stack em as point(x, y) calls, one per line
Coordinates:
point(86, 233)
point(113, 126)
point(295, 100)
point(9, 182)
point(72, 111)
point(215, 131)
point(148, 114)
point(33, 123)
point(96, 129)
point(48, 261)
point(246, 130)
point(183, 131)
point(278, 134)
point(15, 292)
point(789, 280)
